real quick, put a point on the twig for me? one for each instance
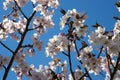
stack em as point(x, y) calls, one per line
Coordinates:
point(21, 10)
point(76, 48)
point(108, 62)
point(7, 47)
point(64, 53)
point(100, 52)
point(29, 45)
point(86, 71)
point(4, 67)
point(70, 62)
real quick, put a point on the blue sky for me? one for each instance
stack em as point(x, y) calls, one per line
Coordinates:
point(101, 11)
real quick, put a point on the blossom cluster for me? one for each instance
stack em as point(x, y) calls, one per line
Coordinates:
point(89, 61)
point(109, 40)
point(9, 27)
point(77, 19)
point(58, 44)
point(43, 73)
point(44, 5)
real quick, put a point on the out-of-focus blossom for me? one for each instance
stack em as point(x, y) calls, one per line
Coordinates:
point(77, 74)
point(37, 44)
point(3, 61)
point(21, 2)
point(6, 4)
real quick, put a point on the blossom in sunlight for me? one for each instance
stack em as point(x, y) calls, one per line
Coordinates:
point(89, 61)
point(109, 40)
point(47, 21)
point(6, 4)
point(81, 31)
point(118, 5)
point(45, 6)
point(21, 2)
point(77, 18)
point(10, 27)
point(96, 38)
point(118, 9)
point(3, 34)
point(56, 62)
point(117, 27)
point(21, 24)
point(58, 43)
point(42, 23)
point(100, 30)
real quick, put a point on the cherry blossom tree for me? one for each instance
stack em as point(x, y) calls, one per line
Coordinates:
point(16, 25)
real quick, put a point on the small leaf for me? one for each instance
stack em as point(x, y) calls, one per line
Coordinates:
point(96, 25)
point(63, 11)
point(117, 18)
point(84, 44)
point(118, 4)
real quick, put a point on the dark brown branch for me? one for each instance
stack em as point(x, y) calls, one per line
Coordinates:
point(7, 47)
point(115, 68)
point(18, 47)
point(65, 53)
point(100, 52)
point(86, 71)
point(76, 48)
point(81, 78)
point(88, 74)
point(33, 28)
point(109, 61)
point(70, 62)
point(4, 67)
point(82, 63)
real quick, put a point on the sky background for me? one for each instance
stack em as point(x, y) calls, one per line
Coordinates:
point(101, 11)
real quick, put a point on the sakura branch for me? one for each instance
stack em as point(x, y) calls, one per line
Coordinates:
point(72, 44)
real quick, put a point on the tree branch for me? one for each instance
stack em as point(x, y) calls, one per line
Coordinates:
point(115, 68)
point(100, 52)
point(7, 47)
point(18, 47)
point(70, 62)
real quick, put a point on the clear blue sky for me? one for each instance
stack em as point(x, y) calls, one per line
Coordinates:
point(101, 11)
